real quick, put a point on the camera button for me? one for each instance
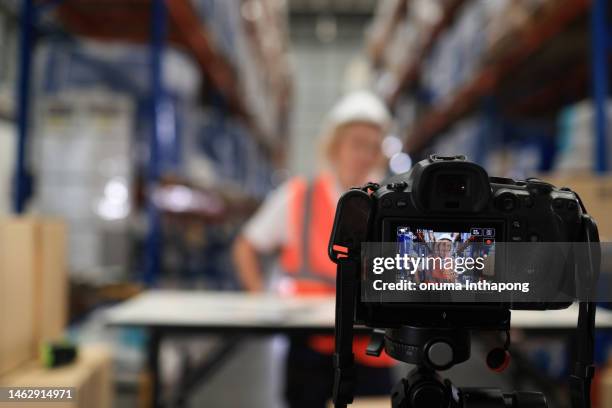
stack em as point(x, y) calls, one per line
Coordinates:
point(401, 204)
point(533, 237)
point(506, 202)
point(440, 354)
point(516, 224)
point(572, 205)
point(516, 238)
point(539, 186)
point(558, 203)
point(528, 201)
point(397, 186)
point(386, 203)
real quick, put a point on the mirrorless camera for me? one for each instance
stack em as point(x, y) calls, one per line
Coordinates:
point(390, 242)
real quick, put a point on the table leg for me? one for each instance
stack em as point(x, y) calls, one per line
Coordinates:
point(206, 368)
point(153, 367)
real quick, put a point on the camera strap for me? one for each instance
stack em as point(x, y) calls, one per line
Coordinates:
point(584, 370)
point(580, 380)
point(344, 370)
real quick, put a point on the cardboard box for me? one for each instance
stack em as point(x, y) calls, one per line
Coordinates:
point(90, 374)
point(604, 388)
point(50, 281)
point(368, 402)
point(33, 287)
point(596, 194)
point(17, 247)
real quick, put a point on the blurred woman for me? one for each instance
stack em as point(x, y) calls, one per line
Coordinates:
point(443, 250)
point(295, 221)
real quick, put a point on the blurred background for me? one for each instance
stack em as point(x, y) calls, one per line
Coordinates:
point(138, 136)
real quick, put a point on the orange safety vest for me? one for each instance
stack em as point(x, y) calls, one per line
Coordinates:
point(311, 211)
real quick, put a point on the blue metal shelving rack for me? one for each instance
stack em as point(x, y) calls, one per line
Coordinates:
point(601, 34)
point(152, 260)
point(22, 184)
point(29, 14)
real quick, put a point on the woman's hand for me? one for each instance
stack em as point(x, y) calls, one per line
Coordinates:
point(246, 260)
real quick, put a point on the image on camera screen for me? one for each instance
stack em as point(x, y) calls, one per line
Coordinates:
point(457, 256)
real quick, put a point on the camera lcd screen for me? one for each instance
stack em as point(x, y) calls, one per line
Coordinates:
point(456, 255)
point(467, 261)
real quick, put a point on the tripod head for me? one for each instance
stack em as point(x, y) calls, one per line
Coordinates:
point(425, 388)
point(432, 349)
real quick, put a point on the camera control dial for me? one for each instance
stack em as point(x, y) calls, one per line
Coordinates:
point(440, 354)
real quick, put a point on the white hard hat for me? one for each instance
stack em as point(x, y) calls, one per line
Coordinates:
point(359, 106)
point(445, 237)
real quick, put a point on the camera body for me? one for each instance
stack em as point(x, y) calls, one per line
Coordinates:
point(444, 207)
point(451, 189)
point(442, 197)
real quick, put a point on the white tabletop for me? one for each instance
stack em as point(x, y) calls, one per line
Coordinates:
point(237, 310)
point(222, 309)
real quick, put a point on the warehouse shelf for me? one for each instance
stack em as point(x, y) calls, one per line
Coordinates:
point(539, 89)
point(389, 25)
point(410, 71)
point(181, 200)
point(7, 111)
point(7, 116)
point(511, 74)
point(256, 94)
point(8, 20)
point(128, 21)
point(524, 45)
